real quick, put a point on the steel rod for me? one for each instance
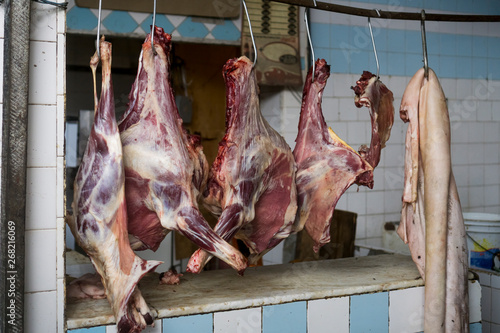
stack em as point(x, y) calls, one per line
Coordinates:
point(415, 16)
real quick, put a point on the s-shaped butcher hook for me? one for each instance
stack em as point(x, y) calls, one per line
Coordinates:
point(251, 33)
point(306, 10)
point(424, 44)
point(97, 42)
point(373, 43)
point(153, 28)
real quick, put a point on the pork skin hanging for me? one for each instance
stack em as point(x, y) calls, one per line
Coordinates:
point(165, 168)
point(251, 186)
point(326, 165)
point(99, 223)
point(431, 219)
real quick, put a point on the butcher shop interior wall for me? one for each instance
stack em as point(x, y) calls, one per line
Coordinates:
point(465, 56)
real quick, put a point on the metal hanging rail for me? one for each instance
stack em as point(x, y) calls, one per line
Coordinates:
point(390, 14)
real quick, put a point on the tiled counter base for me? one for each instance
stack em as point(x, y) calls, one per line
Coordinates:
point(376, 293)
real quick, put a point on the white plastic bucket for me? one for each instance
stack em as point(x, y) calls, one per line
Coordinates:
point(483, 240)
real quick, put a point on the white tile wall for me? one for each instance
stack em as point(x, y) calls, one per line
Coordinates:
point(325, 314)
point(406, 309)
point(40, 312)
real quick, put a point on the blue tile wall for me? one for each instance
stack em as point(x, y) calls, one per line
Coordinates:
point(348, 49)
point(100, 329)
point(289, 317)
point(196, 323)
point(491, 7)
point(369, 313)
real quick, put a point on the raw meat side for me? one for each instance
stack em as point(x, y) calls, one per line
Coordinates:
point(431, 220)
point(252, 181)
point(165, 168)
point(326, 165)
point(100, 216)
point(373, 94)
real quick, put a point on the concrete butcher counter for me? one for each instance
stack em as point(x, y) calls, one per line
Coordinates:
point(381, 276)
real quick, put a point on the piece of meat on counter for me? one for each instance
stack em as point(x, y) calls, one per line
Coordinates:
point(326, 165)
point(431, 219)
point(99, 221)
point(86, 286)
point(252, 181)
point(165, 168)
point(373, 94)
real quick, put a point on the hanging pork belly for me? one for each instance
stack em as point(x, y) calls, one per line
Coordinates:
point(252, 181)
point(99, 221)
point(431, 219)
point(165, 168)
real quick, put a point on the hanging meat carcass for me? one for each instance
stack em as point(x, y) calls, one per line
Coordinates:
point(165, 167)
point(252, 181)
point(326, 165)
point(431, 219)
point(99, 223)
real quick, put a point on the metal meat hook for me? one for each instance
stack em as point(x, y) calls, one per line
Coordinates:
point(373, 43)
point(251, 32)
point(153, 28)
point(424, 45)
point(97, 42)
point(306, 10)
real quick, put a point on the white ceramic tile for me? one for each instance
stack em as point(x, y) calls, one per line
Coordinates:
point(60, 250)
point(375, 202)
point(2, 13)
point(357, 202)
point(40, 198)
point(464, 88)
point(375, 225)
point(330, 108)
point(406, 310)
point(492, 132)
point(358, 133)
point(157, 328)
point(484, 278)
point(61, 64)
point(476, 174)
point(494, 328)
point(40, 311)
point(495, 281)
point(347, 110)
point(361, 227)
point(60, 187)
point(61, 21)
point(40, 260)
point(1, 67)
point(246, 320)
point(491, 195)
point(61, 305)
point(474, 302)
point(486, 326)
point(275, 256)
point(60, 122)
point(42, 73)
point(325, 314)
point(495, 306)
point(43, 24)
point(41, 136)
point(486, 303)
point(342, 86)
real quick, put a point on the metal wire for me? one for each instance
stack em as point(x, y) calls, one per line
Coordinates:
point(424, 44)
point(251, 33)
point(310, 42)
point(97, 42)
point(373, 43)
point(153, 28)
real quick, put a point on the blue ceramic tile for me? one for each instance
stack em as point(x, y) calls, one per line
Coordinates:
point(189, 28)
point(464, 65)
point(480, 67)
point(433, 43)
point(161, 21)
point(380, 37)
point(226, 31)
point(369, 313)
point(413, 41)
point(494, 47)
point(413, 63)
point(289, 317)
point(340, 61)
point(120, 22)
point(494, 69)
point(479, 46)
point(447, 66)
point(196, 323)
point(434, 63)
point(359, 61)
point(475, 328)
point(465, 6)
point(100, 329)
point(339, 35)
point(395, 40)
point(81, 19)
point(464, 45)
point(320, 34)
point(448, 44)
point(397, 63)
point(322, 53)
